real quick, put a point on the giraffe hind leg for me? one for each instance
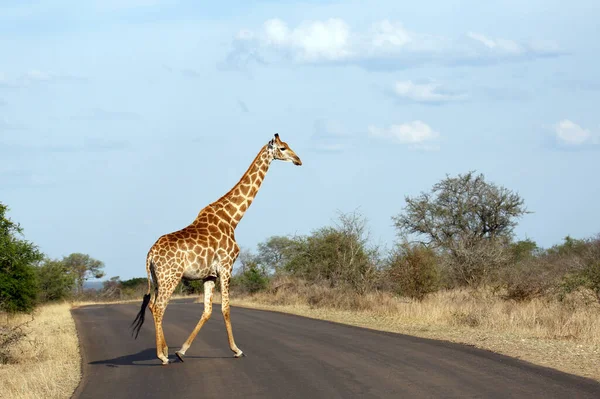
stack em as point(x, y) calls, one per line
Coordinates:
point(158, 311)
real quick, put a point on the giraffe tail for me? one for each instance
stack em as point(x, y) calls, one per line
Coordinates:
point(139, 319)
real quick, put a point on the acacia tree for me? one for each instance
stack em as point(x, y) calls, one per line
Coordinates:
point(55, 279)
point(468, 218)
point(84, 267)
point(18, 285)
point(274, 253)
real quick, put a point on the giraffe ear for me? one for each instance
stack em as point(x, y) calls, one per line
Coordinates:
point(271, 143)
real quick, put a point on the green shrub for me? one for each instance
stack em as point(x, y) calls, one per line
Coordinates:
point(253, 279)
point(18, 283)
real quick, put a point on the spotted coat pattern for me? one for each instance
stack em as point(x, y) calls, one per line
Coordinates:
point(206, 249)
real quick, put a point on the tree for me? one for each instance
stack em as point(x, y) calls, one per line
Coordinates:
point(338, 254)
point(84, 267)
point(274, 253)
point(111, 288)
point(466, 217)
point(56, 280)
point(135, 283)
point(18, 285)
point(524, 249)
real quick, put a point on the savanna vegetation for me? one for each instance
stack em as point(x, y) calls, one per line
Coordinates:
point(460, 235)
point(456, 271)
point(39, 351)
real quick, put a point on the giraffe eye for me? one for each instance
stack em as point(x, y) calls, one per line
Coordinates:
point(282, 148)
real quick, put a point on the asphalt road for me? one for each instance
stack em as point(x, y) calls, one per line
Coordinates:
point(294, 357)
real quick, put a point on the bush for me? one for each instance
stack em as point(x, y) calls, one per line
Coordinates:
point(528, 279)
point(581, 259)
point(18, 283)
point(336, 255)
point(253, 279)
point(9, 337)
point(562, 269)
point(413, 271)
point(192, 287)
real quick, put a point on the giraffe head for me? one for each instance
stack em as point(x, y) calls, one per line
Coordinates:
point(281, 150)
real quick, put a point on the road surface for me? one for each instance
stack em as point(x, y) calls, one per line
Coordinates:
point(289, 356)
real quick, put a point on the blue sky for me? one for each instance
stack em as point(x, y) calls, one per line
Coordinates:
point(121, 119)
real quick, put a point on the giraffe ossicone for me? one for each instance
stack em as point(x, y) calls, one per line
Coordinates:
point(205, 250)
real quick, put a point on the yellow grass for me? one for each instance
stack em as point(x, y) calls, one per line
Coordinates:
point(46, 362)
point(562, 335)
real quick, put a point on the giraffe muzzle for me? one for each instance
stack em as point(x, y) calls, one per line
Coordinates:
point(297, 161)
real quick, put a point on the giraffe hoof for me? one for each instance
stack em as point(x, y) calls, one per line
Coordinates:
point(179, 356)
point(238, 355)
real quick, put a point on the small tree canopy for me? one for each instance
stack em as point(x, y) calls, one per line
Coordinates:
point(462, 209)
point(56, 280)
point(274, 253)
point(84, 267)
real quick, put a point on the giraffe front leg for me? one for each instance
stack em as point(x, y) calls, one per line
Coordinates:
point(208, 296)
point(226, 314)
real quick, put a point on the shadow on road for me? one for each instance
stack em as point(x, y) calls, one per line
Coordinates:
point(147, 357)
point(137, 359)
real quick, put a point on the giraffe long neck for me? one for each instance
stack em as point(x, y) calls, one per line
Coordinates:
point(238, 199)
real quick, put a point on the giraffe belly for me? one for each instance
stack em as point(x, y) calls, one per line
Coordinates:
point(198, 271)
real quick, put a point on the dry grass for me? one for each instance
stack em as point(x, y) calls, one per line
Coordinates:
point(562, 335)
point(46, 362)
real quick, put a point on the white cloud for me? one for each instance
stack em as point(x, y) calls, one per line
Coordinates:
point(417, 134)
point(386, 34)
point(311, 41)
point(424, 92)
point(571, 134)
point(502, 45)
point(386, 44)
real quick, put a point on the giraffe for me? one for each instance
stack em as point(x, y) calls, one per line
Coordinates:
point(205, 250)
